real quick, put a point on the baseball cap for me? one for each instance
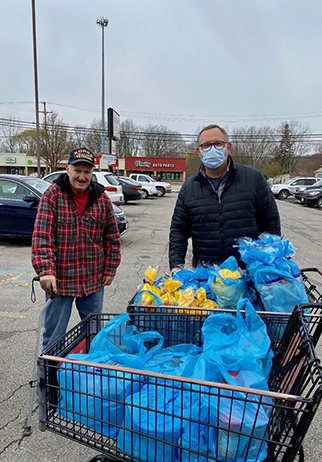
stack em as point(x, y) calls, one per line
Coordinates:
point(81, 155)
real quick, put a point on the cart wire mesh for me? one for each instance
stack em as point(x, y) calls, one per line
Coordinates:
point(137, 415)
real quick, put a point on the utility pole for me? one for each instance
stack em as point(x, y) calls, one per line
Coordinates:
point(102, 22)
point(45, 112)
point(34, 41)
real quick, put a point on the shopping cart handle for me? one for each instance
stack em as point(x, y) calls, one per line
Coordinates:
point(33, 293)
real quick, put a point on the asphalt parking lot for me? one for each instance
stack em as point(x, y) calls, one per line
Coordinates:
point(145, 243)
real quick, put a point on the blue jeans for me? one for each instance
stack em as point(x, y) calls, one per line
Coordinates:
point(58, 314)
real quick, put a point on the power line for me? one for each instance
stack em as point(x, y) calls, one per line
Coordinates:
point(182, 117)
point(138, 135)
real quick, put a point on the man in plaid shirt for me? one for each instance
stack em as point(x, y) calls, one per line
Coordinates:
point(76, 245)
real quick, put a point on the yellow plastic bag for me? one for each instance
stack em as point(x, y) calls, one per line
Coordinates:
point(168, 299)
point(150, 274)
point(228, 274)
point(170, 285)
point(148, 298)
point(208, 304)
point(185, 297)
point(200, 295)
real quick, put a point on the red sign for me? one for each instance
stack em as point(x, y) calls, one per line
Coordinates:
point(161, 164)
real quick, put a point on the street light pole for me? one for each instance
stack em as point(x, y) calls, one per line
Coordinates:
point(103, 22)
point(34, 40)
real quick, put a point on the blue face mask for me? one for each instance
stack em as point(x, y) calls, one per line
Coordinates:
point(213, 158)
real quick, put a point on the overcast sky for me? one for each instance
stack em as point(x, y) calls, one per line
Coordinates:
point(178, 63)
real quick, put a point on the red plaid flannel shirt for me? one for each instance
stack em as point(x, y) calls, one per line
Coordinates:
point(79, 250)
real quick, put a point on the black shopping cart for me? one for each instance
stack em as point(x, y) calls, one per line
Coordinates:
point(291, 404)
point(312, 291)
point(146, 416)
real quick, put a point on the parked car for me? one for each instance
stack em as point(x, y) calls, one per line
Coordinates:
point(131, 190)
point(19, 199)
point(112, 186)
point(284, 190)
point(128, 179)
point(122, 221)
point(313, 197)
point(147, 189)
point(161, 186)
point(299, 192)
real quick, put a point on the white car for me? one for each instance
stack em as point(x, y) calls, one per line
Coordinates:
point(162, 187)
point(112, 187)
point(148, 189)
point(283, 190)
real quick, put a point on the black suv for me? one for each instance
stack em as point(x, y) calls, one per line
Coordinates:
point(313, 197)
point(299, 192)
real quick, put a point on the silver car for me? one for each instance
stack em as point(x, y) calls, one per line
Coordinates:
point(112, 187)
point(284, 190)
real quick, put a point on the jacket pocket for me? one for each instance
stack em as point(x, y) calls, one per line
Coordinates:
point(66, 230)
point(93, 228)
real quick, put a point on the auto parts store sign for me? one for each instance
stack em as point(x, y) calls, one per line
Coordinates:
point(162, 164)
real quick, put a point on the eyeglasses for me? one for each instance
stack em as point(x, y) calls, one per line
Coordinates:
point(218, 144)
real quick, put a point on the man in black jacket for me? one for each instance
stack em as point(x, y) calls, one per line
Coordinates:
point(221, 203)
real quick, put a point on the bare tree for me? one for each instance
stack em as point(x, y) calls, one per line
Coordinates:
point(56, 141)
point(153, 141)
point(159, 141)
point(27, 141)
point(253, 145)
point(93, 138)
point(177, 147)
point(129, 143)
point(9, 134)
point(79, 136)
point(318, 147)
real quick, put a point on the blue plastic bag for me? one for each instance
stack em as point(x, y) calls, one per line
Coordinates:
point(279, 290)
point(228, 291)
point(138, 297)
point(235, 351)
point(188, 279)
point(94, 396)
point(267, 249)
point(155, 411)
point(177, 360)
point(153, 419)
point(226, 428)
point(231, 342)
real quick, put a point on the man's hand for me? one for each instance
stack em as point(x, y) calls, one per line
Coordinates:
point(49, 283)
point(175, 269)
point(107, 281)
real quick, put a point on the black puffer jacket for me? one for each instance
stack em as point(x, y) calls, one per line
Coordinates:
point(246, 207)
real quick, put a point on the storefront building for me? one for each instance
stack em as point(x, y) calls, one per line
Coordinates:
point(163, 168)
point(20, 164)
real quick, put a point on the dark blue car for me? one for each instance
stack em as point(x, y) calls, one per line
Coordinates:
point(19, 199)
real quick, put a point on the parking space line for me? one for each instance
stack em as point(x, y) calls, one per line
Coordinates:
point(16, 279)
point(11, 314)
